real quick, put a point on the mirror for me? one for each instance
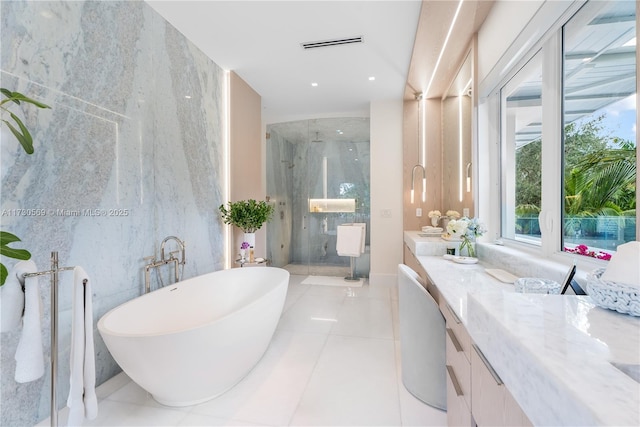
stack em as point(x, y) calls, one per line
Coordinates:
point(457, 173)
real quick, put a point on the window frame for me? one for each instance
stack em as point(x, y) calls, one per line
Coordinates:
point(490, 197)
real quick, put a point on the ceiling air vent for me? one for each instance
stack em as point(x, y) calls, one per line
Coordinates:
point(334, 42)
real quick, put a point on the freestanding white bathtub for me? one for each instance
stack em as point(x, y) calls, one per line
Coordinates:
point(192, 341)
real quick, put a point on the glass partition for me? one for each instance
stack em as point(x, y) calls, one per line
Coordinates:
point(317, 178)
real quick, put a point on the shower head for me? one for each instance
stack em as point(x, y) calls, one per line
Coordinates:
point(317, 138)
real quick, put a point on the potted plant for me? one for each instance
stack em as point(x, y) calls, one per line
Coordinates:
point(248, 215)
point(25, 139)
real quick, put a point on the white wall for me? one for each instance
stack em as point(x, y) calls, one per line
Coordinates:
point(503, 24)
point(386, 190)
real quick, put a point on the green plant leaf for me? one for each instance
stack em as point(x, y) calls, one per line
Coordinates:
point(6, 238)
point(21, 254)
point(25, 140)
point(247, 215)
point(6, 92)
point(32, 101)
point(3, 274)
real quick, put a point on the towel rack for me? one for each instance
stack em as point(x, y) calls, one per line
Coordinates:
point(55, 269)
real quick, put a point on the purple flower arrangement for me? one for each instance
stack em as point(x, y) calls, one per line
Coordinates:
point(244, 245)
point(584, 250)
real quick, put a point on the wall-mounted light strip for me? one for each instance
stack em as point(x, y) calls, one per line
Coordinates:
point(423, 142)
point(227, 163)
point(460, 148)
point(444, 46)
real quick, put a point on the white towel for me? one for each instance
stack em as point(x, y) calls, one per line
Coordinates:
point(350, 239)
point(29, 355)
point(624, 266)
point(12, 297)
point(82, 400)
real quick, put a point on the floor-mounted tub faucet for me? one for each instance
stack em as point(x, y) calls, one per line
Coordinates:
point(153, 263)
point(180, 244)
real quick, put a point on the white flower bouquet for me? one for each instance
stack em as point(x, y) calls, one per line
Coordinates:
point(453, 214)
point(467, 230)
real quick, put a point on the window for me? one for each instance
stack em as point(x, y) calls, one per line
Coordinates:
point(522, 146)
point(581, 82)
point(599, 113)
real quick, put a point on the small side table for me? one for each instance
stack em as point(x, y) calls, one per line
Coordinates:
point(246, 263)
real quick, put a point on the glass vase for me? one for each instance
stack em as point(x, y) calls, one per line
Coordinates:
point(467, 247)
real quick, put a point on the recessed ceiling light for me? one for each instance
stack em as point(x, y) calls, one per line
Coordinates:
point(314, 84)
point(188, 96)
point(372, 78)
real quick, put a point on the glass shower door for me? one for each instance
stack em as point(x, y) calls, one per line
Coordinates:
point(318, 178)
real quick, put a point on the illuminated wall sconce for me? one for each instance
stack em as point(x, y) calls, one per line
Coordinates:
point(424, 183)
point(468, 178)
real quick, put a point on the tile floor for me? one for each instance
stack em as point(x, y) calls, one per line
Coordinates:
point(334, 360)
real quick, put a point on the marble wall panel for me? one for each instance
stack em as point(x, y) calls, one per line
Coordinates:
point(122, 159)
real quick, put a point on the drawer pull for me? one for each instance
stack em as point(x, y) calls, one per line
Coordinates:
point(454, 340)
point(493, 373)
point(454, 381)
point(453, 313)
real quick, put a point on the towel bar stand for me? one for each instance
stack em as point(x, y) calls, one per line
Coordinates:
point(54, 329)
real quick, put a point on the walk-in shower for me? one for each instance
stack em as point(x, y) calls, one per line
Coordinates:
point(317, 179)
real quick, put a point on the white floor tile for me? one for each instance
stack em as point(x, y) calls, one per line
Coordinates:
point(294, 292)
point(395, 317)
point(330, 291)
point(112, 385)
point(112, 413)
point(133, 393)
point(271, 392)
point(354, 383)
point(414, 411)
point(206, 420)
point(375, 291)
point(365, 317)
point(311, 313)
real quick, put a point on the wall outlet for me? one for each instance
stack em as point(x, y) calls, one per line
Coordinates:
point(418, 212)
point(465, 212)
point(385, 213)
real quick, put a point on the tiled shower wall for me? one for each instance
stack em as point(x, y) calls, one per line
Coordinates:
point(294, 174)
point(130, 152)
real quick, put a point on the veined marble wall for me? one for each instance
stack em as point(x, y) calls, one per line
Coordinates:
point(280, 182)
point(134, 135)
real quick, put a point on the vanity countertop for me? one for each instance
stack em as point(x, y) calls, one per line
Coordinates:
point(555, 353)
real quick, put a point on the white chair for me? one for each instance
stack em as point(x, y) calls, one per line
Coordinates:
point(422, 341)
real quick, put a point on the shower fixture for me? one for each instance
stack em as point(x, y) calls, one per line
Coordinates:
point(317, 138)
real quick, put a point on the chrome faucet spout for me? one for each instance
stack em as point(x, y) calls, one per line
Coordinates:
point(180, 244)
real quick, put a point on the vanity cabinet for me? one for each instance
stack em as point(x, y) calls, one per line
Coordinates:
point(475, 393)
point(491, 402)
point(458, 366)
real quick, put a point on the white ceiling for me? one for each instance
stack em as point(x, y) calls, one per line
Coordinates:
point(260, 41)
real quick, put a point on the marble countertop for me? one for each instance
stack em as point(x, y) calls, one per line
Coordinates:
point(555, 353)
